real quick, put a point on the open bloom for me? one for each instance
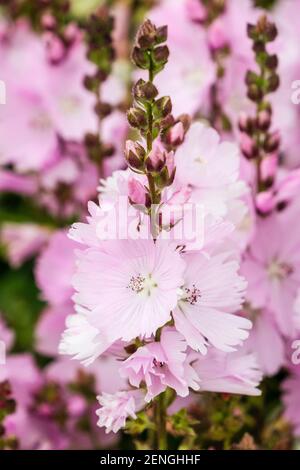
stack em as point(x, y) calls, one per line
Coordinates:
point(236, 372)
point(272, 268)
point(131, 286)
point(115, 409)
point(160, 365)
point(212, 291)
point(210, 167)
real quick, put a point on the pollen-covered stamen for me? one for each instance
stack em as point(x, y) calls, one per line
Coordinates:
point(279, 270)
point(142, 284)
point(136, 283)
point(192, 294)
point(158, 363)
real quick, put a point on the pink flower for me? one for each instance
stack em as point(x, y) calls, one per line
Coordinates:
point(22, 241)
point(272, 268)
point(50, 327)
point(129, 287)
point(115, 409)
point(160, 365)
point(56, 262)
point(11, 182)
point(230, 373)
point(211, 167)
point(266, 342)
point(212, 292)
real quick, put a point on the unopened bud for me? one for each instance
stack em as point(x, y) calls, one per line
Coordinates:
point(175, 135)
point(272, 62)
point(273, 82)
point(272, 142)
point(162, 107)
point(135, 154)
point(263, 120)
point(140, 58)
point(145, 90)
point(137, 118)
point(248, 147)
point(156, 160)
point(246, 124)
point(161, 34)
point(161, 54)
point(146, 35)
point(254, 93)
point(136, 192)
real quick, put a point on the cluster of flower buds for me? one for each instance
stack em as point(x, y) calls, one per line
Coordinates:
point(53, 17)
point(152, 116)
point(7, 407)
point(101, 53)
point(258, 141)
point(267, 81)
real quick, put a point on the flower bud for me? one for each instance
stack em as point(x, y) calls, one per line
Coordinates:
point(268, 167)
point(162, 107)
point(196, 11)
point(145, 90)
point(248, 147)
point(217, 36)
point(161, 34)
point(273, 82)
point(137, 118)
point(136, 192)
point(246, 124)
point(265, 202)
point(175, 134)
point(161, 54)
point(146, 35)
point(263, 120)
point(254, 93)
point(156, 160)
point(140, 58)
point(272, 62)
point(272, 142)
point(134, 154)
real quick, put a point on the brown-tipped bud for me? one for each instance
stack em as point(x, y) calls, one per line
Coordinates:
point(91, 140)
point(273, 82)
point(246, 124)
point(135, 154)
point(145, 90)
point(258, 46)
point(166, 123)
point(186, 120)
point(162, 107)
point(161, 54)
point(102, 109)
point(146, 35)
point(161, 34)
point(272, 62)
point(137, 118)
point(251, 78)
point(155, 161)
point(263, 120)
point(254, 93)
point(251, 31)
point(271, 31)
point(248, 147)
point(272, 142)
point(140, 58)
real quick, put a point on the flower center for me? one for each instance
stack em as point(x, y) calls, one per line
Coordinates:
point(142, 284)
point(279, 270)
point(192, 294)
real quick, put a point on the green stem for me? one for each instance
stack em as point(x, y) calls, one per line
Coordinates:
point(160, 421)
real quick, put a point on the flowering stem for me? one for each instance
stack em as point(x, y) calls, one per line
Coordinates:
point(160, 421)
